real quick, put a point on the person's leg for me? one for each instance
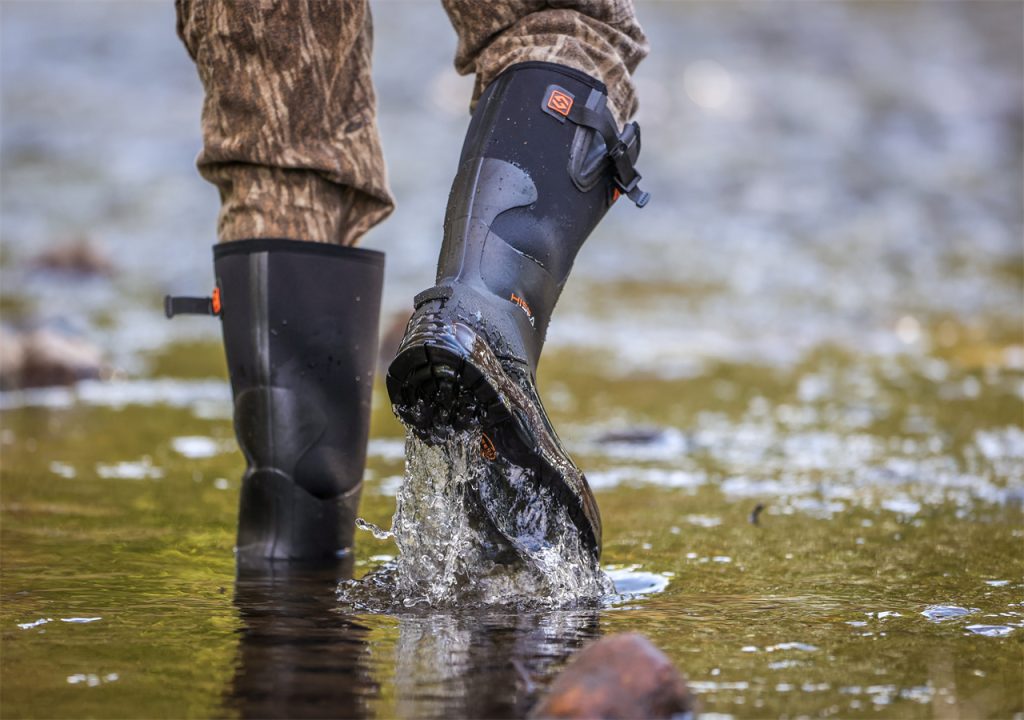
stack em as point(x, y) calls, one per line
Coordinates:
point(290, 140)
point(601, 38)
point(289, 126)
point(543, 160)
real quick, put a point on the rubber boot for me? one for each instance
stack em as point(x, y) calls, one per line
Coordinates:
point(542, 163)
point(300, 323)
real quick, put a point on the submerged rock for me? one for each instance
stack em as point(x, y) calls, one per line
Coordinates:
point(79, 257)
point(633, 436)
point(44, 357)
point(620, 676)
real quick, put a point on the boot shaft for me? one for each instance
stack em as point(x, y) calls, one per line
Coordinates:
point(300, 335)
point(532, 184)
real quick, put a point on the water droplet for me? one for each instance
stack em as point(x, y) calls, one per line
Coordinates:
point(375, 530)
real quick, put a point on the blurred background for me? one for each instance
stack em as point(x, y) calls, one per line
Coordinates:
point(836, 172)
point(820, 314)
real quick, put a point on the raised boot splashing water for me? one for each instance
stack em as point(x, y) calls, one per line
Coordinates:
point(452, 553)
point(492, 503)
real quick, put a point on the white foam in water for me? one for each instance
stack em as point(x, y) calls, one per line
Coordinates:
point(630, 582)
point(196, 446)
point(140, 470)
point(122, 393)
point(802, 647)
point(449, 554)
point(92, 679)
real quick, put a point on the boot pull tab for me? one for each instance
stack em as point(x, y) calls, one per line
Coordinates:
point(192, 305)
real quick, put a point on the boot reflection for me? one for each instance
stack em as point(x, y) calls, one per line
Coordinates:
point(299, 656)
point(488, 665)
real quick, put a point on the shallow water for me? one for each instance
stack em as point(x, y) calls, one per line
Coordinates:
point(454, 552)
point(819, 315)
point(884, 574)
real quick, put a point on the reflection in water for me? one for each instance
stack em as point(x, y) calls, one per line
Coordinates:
point(302, 654)
point(482, 664)
point(298, 655)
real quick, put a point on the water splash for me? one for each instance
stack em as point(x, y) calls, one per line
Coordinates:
point(450, 551)
point(375, 530)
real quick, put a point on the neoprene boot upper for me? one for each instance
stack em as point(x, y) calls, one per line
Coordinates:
point(541, 164)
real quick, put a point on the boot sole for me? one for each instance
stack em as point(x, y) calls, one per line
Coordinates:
point(446, 379)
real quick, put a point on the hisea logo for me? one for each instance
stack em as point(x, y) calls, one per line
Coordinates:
point(560, 102)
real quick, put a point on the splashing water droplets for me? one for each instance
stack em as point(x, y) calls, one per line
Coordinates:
point(376, 531)
point(451, 552)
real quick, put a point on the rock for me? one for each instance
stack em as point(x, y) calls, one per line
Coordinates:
point(649, 443)
point(620, 676)
point(44, 357)
point(12, 358)
point(633, 436)
point(81, 257)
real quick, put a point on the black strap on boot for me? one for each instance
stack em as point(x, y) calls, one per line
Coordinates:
point(621, 149)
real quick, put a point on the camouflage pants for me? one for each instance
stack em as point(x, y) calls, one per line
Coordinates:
point(289, 128)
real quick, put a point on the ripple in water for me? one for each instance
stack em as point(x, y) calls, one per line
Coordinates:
point(451, 554)
point(941, 613)
point(631, 582)
point(991, 630)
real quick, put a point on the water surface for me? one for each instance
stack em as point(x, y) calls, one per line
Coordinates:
point(819, 315)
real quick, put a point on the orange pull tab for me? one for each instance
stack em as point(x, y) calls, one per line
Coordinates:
point(215, 301)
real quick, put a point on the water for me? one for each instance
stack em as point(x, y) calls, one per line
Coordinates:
point(884, 574)
point(452, 555)
point(820, 314)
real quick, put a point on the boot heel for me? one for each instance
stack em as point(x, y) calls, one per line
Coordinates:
point(278, 520)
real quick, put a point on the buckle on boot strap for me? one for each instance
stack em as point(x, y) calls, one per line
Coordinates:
point(182, 305)
point(622, 149)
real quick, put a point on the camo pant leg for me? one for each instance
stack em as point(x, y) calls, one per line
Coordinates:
point(600, 37)
point(289, 128)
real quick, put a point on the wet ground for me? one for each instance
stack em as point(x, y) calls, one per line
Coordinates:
point(820, 315)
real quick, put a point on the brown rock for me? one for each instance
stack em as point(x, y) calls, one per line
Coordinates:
point(44, 357)
point(620, 676)
point(12, 358)
point(81, 256)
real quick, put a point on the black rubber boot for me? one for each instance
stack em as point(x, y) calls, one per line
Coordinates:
point(300, 324)
point(541, 164)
